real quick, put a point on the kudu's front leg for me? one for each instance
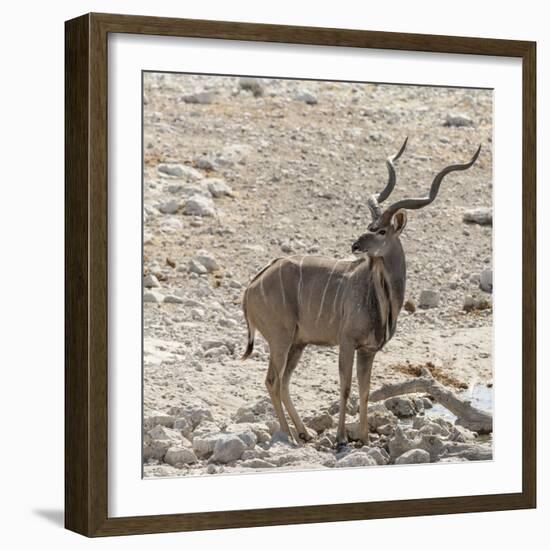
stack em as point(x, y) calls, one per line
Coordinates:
point(365, 360)
point(345, 368)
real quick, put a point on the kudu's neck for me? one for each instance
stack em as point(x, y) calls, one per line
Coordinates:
point(394, 268)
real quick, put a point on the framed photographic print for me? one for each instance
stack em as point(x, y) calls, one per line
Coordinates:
point(293, 294)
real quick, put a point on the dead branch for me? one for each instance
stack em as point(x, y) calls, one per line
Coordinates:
point(467, 415)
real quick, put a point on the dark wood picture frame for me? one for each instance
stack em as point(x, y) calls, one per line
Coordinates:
point(86, 285)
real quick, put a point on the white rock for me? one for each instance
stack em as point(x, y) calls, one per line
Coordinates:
point(481, 216)
point(461, 434)
point(180, 171)
point(400, 443)
point(171, 224)
point(259, 430)
point(217, 352)
point(204, 163)
point(162, 432)
point(402, 406)
point(207, 260)
point(204, 445)
point(200, 98)
point(257, 463)
point(286, 247)
point(218, 188)
point(472, 303)
point(245, 416)
point(169, 207)
point(158, 440)
point(172, 299)
point(184, 426)
point(150, 281)
point(191, 303)
point(253, 85)
point(272, 425)
point(154, 448)
point(304, 456)
point(306, 97)
point(486, 280)
point(235, 153)
point(410, 439)
point(381, 417)
point(254, 248)
point(427, 402)
point(433, 428)
point(414, 456)
point(356, 458)
point(156, 418)
point(213, 343)
point(352, 406)
point(197, 313)
point(197, 416)
point(458, 120)
point(280, 437)
point(428, 299)
point(380, 456)
point(248, 437)
point(320, 423)
point(386, 429)
point(188, 190)
point(375, 136)
point(180, 455)
point(228, 322)
point(228, 447)
point(198, 205)
point(196, 267)
point(175, 170)
point(153, 296)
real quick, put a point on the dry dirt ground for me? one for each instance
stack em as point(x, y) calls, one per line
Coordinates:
point(246, 171)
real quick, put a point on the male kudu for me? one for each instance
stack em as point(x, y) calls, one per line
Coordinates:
point(299, 300)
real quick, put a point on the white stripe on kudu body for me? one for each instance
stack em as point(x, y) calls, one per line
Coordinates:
point(362, 305)
point(335, 309)
point(283, 293)
point(300, 265)
point(325, 290)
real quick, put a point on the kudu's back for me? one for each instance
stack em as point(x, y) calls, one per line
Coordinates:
point(311, 299)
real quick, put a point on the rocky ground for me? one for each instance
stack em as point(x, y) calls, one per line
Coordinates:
point(240, 171)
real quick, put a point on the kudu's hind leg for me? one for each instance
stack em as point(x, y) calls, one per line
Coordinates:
point(364, 368)
point(277, 361)
point(293, 357)
point(345, 369)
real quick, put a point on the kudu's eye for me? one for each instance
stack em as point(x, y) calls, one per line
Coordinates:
point(382, 232)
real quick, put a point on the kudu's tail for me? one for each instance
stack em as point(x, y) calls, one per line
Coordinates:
point(251, 332)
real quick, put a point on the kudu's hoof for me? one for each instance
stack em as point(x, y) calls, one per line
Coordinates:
point(341, 446)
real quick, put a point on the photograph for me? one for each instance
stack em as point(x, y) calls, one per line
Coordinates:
point(317, 274)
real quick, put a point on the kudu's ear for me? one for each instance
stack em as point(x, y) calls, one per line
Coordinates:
point(399, 221)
